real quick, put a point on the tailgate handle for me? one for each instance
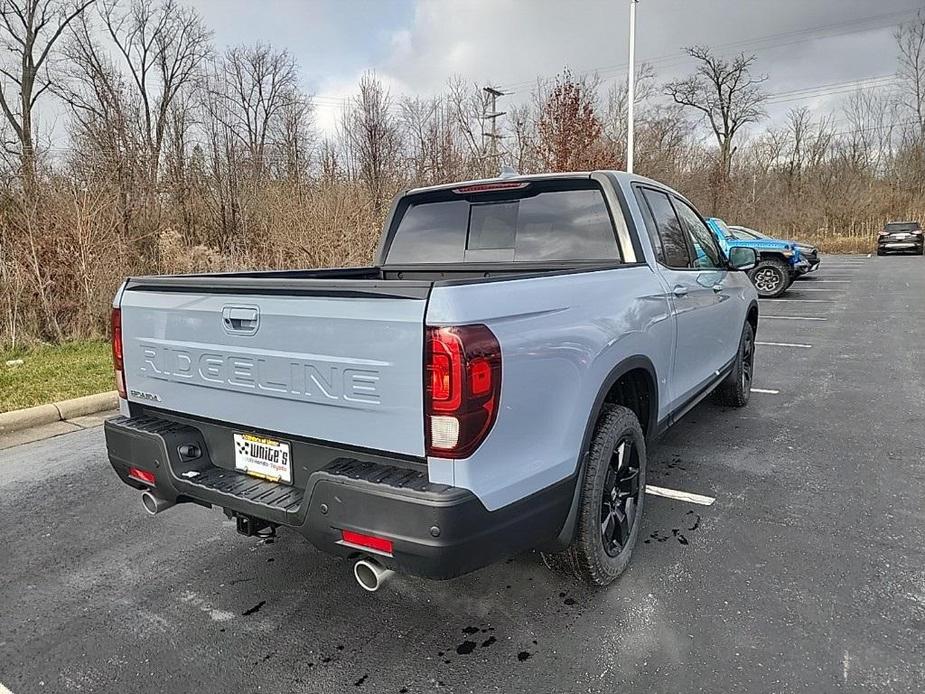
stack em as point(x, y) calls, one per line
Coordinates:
point(240, 319)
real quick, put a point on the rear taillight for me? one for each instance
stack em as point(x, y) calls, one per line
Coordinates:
point(462, 389)
point(117, 363)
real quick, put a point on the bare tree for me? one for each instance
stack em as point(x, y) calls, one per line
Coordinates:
point(162, 46)
point(126, 93)
point(910, 37)
point(258, 86)
point(374, 136)
point(467, 105)
point(728, 96)
point(29, 30)
point(294, 138)
point(616, 103)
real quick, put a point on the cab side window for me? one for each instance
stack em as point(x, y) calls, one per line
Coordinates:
point(675, 253)
point(706, 250)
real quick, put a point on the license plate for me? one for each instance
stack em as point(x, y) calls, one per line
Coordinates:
point(263, 457)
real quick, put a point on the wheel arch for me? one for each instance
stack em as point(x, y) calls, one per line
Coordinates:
point(772, 255)
point(752, 316)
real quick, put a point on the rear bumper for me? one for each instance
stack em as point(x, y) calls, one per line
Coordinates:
point(437, 531)
point(911, 245)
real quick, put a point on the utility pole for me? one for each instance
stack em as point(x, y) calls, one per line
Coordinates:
point(493, 135)
point(631, 88)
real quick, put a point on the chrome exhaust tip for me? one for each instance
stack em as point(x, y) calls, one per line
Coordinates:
point(370, 574)
point(155, 504)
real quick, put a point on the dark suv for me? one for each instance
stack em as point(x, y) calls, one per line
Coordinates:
point(901, 237)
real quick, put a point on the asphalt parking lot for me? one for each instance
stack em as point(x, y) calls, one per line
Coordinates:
point(807, 573)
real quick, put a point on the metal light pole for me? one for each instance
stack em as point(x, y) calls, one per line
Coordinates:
point(631, 88)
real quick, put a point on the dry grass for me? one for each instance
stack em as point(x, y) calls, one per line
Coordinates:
point(839, 243)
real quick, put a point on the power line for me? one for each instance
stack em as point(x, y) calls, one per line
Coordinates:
point(832, 89)
point(758, 43)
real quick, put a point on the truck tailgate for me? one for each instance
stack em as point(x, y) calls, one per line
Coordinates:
point(345, 368)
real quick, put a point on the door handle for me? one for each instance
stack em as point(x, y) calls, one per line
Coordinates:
point(240, 319)
point(679, 290)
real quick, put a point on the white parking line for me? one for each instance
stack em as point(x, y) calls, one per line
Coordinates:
point(818, 289)
point(791, 318)
point(680, 496)
point(4, 690)
point(834, 281)
point(783, 344)
point(766, 391)
point(809, 301)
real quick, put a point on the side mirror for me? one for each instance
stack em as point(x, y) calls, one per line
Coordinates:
point(742, 258)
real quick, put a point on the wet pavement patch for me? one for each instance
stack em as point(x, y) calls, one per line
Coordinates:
point(465, 648)
point(254, 609)
point(524, 655)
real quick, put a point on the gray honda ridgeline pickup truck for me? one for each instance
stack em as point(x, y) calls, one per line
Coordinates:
point(488, 387)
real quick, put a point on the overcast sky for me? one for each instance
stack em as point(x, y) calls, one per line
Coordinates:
point(415, 45)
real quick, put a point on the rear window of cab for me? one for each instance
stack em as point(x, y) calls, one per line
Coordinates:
point(541, 221)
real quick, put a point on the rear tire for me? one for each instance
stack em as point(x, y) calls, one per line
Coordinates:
point(611, 503)
point(736, 388)
point(771, 278)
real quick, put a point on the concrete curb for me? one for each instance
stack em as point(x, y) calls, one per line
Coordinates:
point(56, 412)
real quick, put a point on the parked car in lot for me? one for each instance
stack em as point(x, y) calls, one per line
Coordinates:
point(901, 237)
point(809, 254)
point(779, 262)
point(489, 386)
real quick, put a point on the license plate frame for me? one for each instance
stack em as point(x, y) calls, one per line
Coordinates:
point(262, 457)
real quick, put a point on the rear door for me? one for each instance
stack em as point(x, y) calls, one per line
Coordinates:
point(699, 351)
point(713, 282)
point(345, 368)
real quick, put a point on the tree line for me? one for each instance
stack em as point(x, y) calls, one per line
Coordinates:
point(182, 156)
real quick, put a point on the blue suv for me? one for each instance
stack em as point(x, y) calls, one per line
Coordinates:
point(779, 262)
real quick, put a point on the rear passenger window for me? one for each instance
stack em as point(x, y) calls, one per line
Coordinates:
point(669, 229)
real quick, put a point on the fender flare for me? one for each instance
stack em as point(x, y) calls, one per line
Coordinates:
point(753, 306)
point(621, 369)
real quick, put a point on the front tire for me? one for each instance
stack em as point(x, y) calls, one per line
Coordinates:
point(771, 278)
point(612, 500)
point(736, 388)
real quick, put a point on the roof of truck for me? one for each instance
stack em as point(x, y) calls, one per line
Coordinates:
point(620, 175)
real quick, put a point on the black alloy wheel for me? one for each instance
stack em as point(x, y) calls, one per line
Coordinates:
point(748, 359)
point(620, 498)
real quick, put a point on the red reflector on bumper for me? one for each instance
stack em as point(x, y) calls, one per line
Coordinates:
point(141, 475)
point(378, 544)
